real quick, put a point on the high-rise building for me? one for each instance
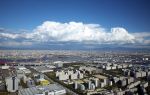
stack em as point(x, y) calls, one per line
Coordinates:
point(12, 83)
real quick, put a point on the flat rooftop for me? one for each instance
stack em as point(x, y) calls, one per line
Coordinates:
point(40, 89)
point(100, 76)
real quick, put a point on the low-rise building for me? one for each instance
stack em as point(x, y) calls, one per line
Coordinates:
point(30, 83)
point(52, 89)
point(108, 68)
point(132, 85)
point(44, 82)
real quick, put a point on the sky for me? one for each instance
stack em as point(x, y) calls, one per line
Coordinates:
point(73, 24)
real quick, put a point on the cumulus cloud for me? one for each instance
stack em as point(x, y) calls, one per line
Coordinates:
point(142, 38)
point(9, 35)
point(141, 35)
point(80, 32)
point(51, 31)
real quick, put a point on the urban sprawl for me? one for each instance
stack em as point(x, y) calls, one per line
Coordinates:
point(45, 72)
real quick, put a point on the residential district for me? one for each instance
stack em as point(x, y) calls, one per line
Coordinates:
point(44, 72)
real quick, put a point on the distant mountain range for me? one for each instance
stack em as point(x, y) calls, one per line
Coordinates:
point(105, 48)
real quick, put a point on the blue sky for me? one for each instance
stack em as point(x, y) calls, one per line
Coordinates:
point(109, 18)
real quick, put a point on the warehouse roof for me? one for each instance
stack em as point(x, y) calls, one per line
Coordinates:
point(40, 89)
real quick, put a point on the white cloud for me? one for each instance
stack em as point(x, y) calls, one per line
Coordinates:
point(9, 35)
point(143, 37)
point(146, 41)
point(79, 32)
